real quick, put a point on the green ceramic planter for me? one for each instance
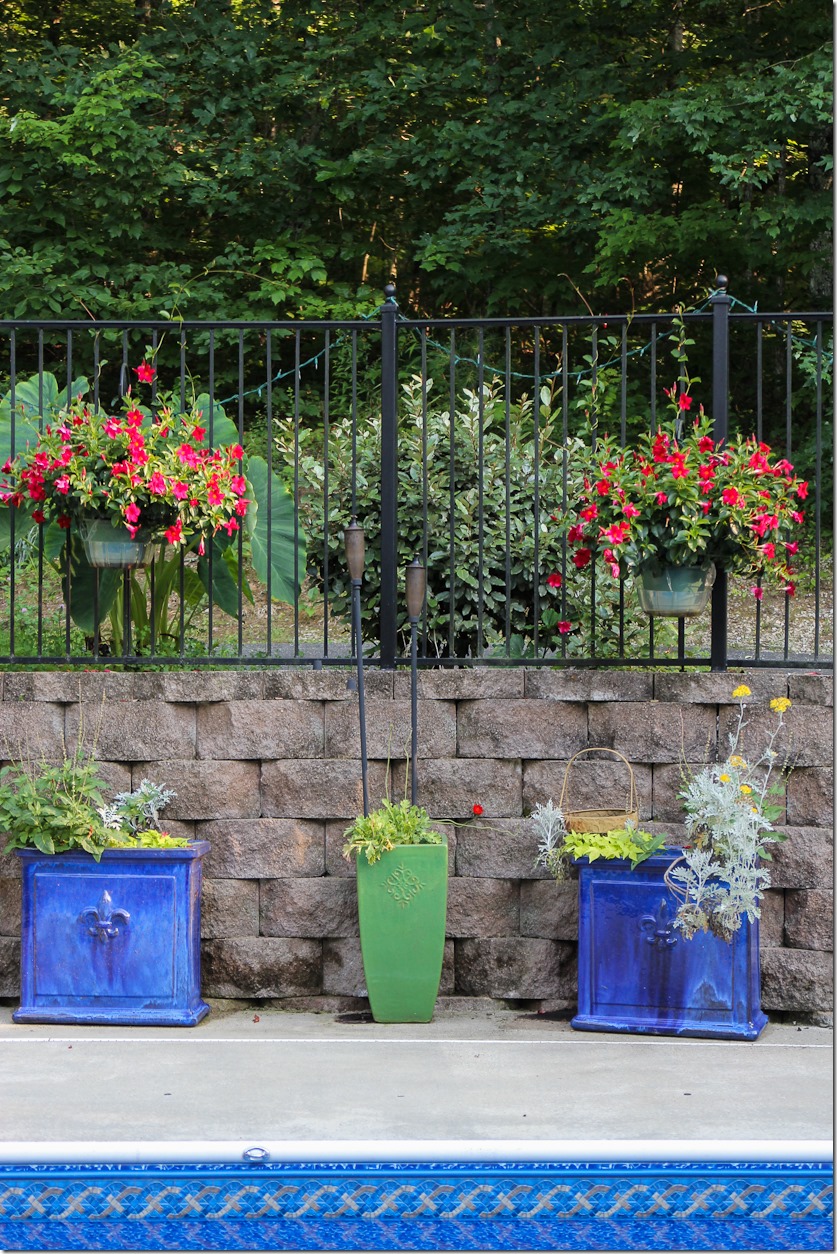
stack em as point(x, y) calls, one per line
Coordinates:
point(675, 591)
point(402, 902)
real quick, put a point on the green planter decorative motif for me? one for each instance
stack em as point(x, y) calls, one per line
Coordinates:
point(675, 591)
point(402, 901)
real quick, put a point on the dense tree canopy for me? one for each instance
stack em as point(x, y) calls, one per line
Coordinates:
point(255, 158)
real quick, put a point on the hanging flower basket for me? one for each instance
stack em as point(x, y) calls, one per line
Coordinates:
point(603, 818)
point(675, 591)
point(112, 547)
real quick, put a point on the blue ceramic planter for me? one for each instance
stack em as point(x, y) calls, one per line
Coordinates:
point(638, 973)
point(116, 941)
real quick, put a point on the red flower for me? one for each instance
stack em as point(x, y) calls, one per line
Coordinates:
point(684, 401)
point(38, 516)
point(554, 580)
point(591, 512)
point(769, 550)
point(581, 558)
point(792, 546)
point(236, 451)
point(661, 498)
point(630, 510)
point(63, 521)
point(757, 592)
point(144, 372)
point(802, 491)
point(132, 513)
point(197, 434)
point(174, 533)
point(477, 808)
point(706, 444)
point(603, 487)
point(575, 533)
point(679, 469)
point(616, 534)
point(157, 484)
point(731, 496)
point(564, 627)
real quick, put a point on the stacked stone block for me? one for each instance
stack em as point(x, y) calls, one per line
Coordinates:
point(266, 768)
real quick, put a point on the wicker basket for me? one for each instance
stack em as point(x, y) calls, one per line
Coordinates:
point(602, 819)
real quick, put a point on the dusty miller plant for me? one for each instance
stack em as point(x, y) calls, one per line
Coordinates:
point(721, 875)
point(137, 811)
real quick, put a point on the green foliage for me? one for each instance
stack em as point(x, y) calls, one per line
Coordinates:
point(557, 845)
point(53, 808)
point(483, 587)
point(629, 843)
point(256, 159)
point(59, 808)
point(393, 823)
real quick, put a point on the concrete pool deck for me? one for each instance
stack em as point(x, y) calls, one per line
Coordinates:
point(467, 1084)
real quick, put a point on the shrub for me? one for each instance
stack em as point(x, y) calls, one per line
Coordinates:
point(484, 589)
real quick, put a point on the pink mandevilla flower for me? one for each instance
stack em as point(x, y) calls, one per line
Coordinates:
point(145, 372)
point(554, 580)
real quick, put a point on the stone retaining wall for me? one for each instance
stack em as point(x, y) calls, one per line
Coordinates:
point(265, 766)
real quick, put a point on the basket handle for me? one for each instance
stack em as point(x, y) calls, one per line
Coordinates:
point(632, 800)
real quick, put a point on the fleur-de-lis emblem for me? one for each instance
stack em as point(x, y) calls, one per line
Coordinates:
point(659, 929)
point(102, 921)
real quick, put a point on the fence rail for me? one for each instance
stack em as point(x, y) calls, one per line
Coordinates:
point(450, 440)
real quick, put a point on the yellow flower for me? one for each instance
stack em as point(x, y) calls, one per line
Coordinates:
point(724, 779)
point(780, 704)
point(741, 691)
point(746, 789)
point(737, 761)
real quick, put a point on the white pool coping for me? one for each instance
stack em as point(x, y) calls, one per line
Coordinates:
point(399, 1151)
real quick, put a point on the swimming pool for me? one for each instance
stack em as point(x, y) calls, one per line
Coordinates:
point(417, 1196)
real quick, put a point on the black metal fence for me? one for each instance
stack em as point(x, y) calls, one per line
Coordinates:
point(450, 440)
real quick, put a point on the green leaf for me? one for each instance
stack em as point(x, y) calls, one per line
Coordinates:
point(224, 589)
point(272, 538)
point(82, 590)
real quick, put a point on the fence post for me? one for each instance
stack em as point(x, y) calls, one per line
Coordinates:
point(720, 303)
point(389, 478)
